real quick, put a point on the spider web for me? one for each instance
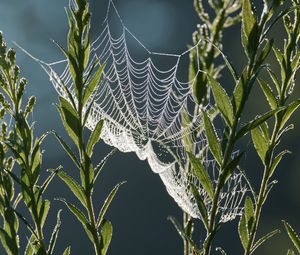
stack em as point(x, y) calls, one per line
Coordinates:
point(149, 111)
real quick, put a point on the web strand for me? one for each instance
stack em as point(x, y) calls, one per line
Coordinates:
point(146, 108)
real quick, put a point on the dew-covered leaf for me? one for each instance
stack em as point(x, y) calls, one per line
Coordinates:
point(94, 82)
point(73, 186)
point(70, 119)
point(107, 203)
point(94, 138)
point(277, 160)
point(106, 236)
point(68, 150)
point(243, 231)
point(264, 239)
point(222, 100)
point(292, 107)
point(260, 143)
point(293, 235)
point(268, 94)
point(201, 206)
point(213, 140)
point(202, 175)
point(67, 251)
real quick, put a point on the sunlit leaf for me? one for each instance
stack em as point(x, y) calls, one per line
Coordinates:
point(107, 202)
point(202, 175)
point(293, 235)
point(213, 140)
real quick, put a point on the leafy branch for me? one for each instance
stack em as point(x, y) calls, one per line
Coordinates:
point(21, 150)
point(74, 112)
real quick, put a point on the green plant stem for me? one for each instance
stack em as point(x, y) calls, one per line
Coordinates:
point(263, 188)
point(213, 214)
point(227, 154)
point(186, 244)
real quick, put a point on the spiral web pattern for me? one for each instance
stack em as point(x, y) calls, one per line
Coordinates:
point(146, 109)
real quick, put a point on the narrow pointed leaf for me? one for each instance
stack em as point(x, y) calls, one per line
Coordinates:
point(268, 94)
point(201, 206)
point(73, 186)
point(106, 236)
point(54, 234)
point(213, 140)
point(229, 169)
point(256, 122)
point(80, 217)
point(222, 100)
point(182, 234)
point(290, 252)
point(70, 119)
point(102, 163)
point(94, 82)
point(67, 149)
point(67, 251)
point(94, 138)
point(107, 202)
point(277, 160)
point(249, 27)
point(243, 231)
point(249, 212)
point(264, 239)
point(289, 112)
point(293, 235)
point(260, 143)
point(201, 173)
point(221, 250)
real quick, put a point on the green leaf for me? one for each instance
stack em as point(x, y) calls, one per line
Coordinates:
point(260, 143)
point(275, 80)
point(273, 102)
point(201, 206)
point(198, 78)
point(292, 107)
point(67, 251)
point(293, 235)
point(94, 138)
point(265, 52)
point(277, 160)
point(94, 82)
point(183, 235)
point(249, 27)
point(102, 163)
point(239, 92)
point(68, 150)
point(264, 239)
point(249, 213)
point(256, 122)
point(186, 125)
point(29, 249)
point(213, 140)
point(73, 186)
point(222, 100)
point(243, 231)
point(44, 212)
point(221, 250)
point(81, 218)
point(202, 175)
point(70, 119)
point(54, 234)
point(229, 169)
point(107, 202)
point(8, 243)
point(290, 252)
point(106, 236)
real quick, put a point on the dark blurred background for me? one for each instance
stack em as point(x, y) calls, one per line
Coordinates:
point(139, 212)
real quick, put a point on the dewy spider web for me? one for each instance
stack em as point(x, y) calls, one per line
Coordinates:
point(145, 110)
